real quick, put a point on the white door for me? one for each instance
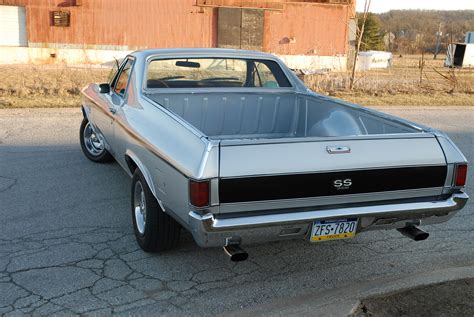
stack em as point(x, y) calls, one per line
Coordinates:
point(12, 26)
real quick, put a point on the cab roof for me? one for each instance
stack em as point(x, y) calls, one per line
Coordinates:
point(203, 52)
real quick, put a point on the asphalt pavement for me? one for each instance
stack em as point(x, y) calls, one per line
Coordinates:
point(67, 245)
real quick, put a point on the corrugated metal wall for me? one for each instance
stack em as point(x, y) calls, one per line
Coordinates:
point(299, 28)
point(121, 23)
point(310, 29)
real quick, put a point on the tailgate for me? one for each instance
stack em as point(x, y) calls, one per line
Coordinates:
point(405, 166)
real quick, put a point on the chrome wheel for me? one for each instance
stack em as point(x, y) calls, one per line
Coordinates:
point(139, 205)
point(92, 141)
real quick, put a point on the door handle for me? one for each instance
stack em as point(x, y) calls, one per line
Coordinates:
point(338, 149)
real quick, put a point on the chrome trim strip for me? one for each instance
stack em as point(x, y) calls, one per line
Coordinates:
point(210, 223)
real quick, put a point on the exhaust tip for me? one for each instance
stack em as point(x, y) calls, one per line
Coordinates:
point(422, 236)
point(236, 253)
point(414, 233)
point(239, 257)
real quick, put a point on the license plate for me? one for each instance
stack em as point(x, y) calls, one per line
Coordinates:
point(333, 229)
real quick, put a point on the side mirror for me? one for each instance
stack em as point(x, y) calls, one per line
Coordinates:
point(104, 88)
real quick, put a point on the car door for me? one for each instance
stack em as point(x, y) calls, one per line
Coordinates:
point(115, 100)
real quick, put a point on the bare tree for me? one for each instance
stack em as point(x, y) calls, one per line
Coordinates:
point(360, 33)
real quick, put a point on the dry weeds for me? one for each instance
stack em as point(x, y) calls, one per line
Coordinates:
point(25, 86)
point(401, 84)
point(45, 86)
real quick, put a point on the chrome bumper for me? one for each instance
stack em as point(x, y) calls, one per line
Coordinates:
point(209, 230)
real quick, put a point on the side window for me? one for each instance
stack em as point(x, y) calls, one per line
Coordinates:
point(122, 80)
point(264, 77)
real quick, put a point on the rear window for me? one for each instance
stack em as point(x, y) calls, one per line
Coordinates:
point(215, 72)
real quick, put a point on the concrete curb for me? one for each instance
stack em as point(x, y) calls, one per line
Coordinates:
point(344, 301)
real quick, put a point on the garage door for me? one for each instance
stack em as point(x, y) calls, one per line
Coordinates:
point(12, 26)
point(240, 28)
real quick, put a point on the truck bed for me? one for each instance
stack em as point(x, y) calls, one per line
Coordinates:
point(268, 115)
point(286, 150)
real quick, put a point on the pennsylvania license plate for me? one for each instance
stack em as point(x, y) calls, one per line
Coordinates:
point(333, 229)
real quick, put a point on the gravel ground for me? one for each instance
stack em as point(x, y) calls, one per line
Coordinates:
point(67, 245)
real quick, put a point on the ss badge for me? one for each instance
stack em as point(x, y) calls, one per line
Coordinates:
point(341, 184)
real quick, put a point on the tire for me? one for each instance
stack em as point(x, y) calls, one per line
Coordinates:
point(92, 146)
point(156, 231)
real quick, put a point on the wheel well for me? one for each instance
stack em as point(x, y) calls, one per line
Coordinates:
point(132, 166)
point(83, 112)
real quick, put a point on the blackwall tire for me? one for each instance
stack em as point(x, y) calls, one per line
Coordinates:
point(92, 146)
point(155, 230)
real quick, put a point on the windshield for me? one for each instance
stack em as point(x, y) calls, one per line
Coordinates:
point(215, 72)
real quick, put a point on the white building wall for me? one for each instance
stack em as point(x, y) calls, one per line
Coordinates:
point(13, 26)
point(36, 55)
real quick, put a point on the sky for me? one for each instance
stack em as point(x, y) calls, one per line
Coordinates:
point(378, 6)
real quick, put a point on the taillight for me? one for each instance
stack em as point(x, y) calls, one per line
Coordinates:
point(461, 175)
point(199, 193)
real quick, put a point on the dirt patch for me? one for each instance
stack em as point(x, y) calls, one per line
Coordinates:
point(453, 298)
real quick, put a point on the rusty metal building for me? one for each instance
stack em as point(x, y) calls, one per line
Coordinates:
point(304, 27)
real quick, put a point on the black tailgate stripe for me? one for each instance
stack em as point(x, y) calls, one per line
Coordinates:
point(260, 188)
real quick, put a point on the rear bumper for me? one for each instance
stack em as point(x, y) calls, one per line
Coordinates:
point(209, 230)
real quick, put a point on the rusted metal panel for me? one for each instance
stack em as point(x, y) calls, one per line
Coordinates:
point(120, 23)
point(21, 3)
point(320, 1)
point(249, 4)
point(251, 37)
point(300, 27)
point(262, 4)
point(240, 28)
point(307, 29)
point(229, 28)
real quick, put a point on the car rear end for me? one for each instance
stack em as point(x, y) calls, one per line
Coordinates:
point(327, 188)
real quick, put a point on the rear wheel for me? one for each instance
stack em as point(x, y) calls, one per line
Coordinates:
point(92, 145)
point(154, 229)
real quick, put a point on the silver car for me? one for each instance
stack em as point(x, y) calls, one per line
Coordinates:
point(231, 146)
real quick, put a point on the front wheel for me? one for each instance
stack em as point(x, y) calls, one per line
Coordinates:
point(92, 145)
point(154, 230)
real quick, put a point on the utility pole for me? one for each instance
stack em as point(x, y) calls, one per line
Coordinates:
point(438, 40)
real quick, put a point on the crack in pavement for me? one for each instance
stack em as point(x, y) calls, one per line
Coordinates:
point(124, 269)
point(13, 182)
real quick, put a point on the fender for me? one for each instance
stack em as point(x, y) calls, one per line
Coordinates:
point(146, 174)
point(86, 112)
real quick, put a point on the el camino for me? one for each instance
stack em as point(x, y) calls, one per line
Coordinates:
point(231, 146)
